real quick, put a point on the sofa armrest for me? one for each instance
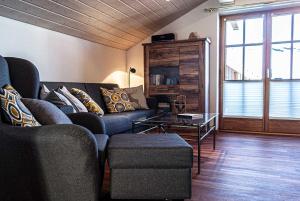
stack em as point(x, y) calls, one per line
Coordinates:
point(55, 163)
point(152, 103)
point(90, 121)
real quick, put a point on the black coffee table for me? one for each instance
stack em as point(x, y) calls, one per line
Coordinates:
point(206, 125)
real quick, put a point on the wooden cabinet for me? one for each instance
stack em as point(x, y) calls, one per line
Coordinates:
point(179, 68)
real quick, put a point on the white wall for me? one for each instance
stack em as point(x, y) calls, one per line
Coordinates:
point(206, 25)
point(61, 57)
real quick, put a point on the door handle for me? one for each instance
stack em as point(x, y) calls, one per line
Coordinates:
point(268, 73)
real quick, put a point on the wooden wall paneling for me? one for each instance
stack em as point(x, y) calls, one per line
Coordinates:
point(168, 6)
point(181, 4)
point(97, 18)
point(34, 20)
point(132, 13)
point(145, 11)
point(116, 23)
point(155, 7)
point(60, 19)
point(113, 13)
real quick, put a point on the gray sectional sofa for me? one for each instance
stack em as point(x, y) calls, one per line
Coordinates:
point(61, 161)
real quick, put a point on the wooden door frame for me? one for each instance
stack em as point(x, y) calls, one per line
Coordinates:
point(267, 43)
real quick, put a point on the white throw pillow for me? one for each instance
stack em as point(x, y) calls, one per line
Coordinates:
point(44, 92)
point(79, 107)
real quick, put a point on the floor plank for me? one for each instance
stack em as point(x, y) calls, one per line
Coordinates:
point(246, 167)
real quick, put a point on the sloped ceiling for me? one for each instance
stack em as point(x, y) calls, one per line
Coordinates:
point(116, 23)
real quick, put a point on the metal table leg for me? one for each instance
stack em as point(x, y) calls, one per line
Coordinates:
point(215, 132)
point(199, 148)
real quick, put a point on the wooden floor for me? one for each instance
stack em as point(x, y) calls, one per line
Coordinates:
point(248, 168)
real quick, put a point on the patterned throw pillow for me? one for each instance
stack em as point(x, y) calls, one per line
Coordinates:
point(59, 100)
point(79, 107)
point(116, 100)
point(137, 97)
point(12, 90)
point(14, 112)
point(87, 101)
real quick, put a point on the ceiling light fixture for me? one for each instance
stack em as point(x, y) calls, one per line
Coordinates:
point(226, 2)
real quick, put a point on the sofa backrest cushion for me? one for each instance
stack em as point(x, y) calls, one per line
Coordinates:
point(92, 89)
point(4, 72)
point(45, 112)
point(69, 85)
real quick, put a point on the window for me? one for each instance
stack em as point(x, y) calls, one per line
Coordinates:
point(243, 86)
point(244, 49)
point(285, 67)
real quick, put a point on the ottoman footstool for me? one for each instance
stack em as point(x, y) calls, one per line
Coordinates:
point(156, 166)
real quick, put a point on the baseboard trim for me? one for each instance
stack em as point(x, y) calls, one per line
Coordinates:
point(261, 133)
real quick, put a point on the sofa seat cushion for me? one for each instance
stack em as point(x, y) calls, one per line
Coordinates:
point(122, 122)
point(156, 151)
point(116, 123)
point(139, 114)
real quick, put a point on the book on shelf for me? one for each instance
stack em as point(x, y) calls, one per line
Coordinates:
point(166, 107)
point(190, 116)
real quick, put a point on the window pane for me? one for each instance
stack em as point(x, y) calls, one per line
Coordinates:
point(253, 62)
point(244, 99)
point(234, 63)
point(285, 99)
point(281, 28)
point(297, 27)
point(280, 61)
point(234, 32)
point(296, 63)
point(254, 30)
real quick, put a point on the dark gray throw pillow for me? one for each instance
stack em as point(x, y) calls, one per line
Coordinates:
point(58, 99)
point(46, 113)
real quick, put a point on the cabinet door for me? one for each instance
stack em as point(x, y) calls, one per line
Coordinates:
point(189, 76)
point(168, 57)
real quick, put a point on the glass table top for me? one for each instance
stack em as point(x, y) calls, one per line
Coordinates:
point(173, 119)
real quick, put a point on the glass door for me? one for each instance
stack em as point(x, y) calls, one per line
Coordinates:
point(260, 72)
point(284, 76)
point(243, 73)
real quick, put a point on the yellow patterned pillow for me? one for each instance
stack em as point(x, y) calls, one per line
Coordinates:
point(87, 101)
point(116, 100)
point(12, 90)
point(13, 111)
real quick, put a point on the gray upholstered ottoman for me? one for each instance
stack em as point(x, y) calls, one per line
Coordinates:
point(150, 166)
